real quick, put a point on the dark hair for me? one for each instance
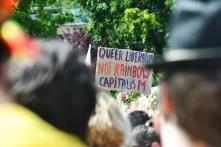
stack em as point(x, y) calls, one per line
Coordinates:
point(144, 136)
point(197, 99)
point(62, 94)
point(4, 51)
point(138, 118)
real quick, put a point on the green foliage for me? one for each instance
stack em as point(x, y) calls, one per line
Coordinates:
point(157, 78)
point(139, 25)
point(114, 94)
point(41, 18)
point(153, 98)
point(126, 97)
point(135, 28)
point(133, 96)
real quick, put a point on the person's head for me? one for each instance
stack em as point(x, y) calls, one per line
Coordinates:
point(143, 136)
point(191, 90)
point(138, 118)
point(193, 99)
point(6, 8)
point(108, 127)
point(57, 87)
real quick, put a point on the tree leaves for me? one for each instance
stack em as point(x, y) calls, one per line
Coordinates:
point(41, 18)
point(139, 25)
point(135, 26)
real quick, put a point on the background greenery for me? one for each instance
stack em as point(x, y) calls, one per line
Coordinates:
point(140, 25)
point(41, 18)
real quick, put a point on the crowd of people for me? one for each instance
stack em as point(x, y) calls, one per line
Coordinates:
point(48, 97)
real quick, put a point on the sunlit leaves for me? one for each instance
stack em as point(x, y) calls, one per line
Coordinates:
point(139, 25)
point(135, 28)
point(41, 18)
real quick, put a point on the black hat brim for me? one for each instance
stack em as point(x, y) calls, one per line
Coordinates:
point(179, 65)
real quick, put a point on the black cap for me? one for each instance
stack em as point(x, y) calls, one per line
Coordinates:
point(195, 37)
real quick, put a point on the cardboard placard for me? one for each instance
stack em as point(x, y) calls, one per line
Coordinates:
point(123, 70)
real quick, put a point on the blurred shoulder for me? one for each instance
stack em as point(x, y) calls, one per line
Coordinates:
point(19, 127)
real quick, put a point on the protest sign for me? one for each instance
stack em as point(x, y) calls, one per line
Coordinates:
point(122, 70)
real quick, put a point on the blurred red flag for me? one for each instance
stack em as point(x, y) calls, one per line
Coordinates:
point(22, 47)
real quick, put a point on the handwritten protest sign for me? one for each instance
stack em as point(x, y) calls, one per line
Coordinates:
point(122, 70)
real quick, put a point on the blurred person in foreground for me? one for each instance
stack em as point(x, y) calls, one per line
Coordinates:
point(57, 87)
point(108, 127)
point(19, 127)
point(191, 91)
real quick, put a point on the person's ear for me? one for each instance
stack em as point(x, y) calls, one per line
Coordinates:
point(167, 103)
